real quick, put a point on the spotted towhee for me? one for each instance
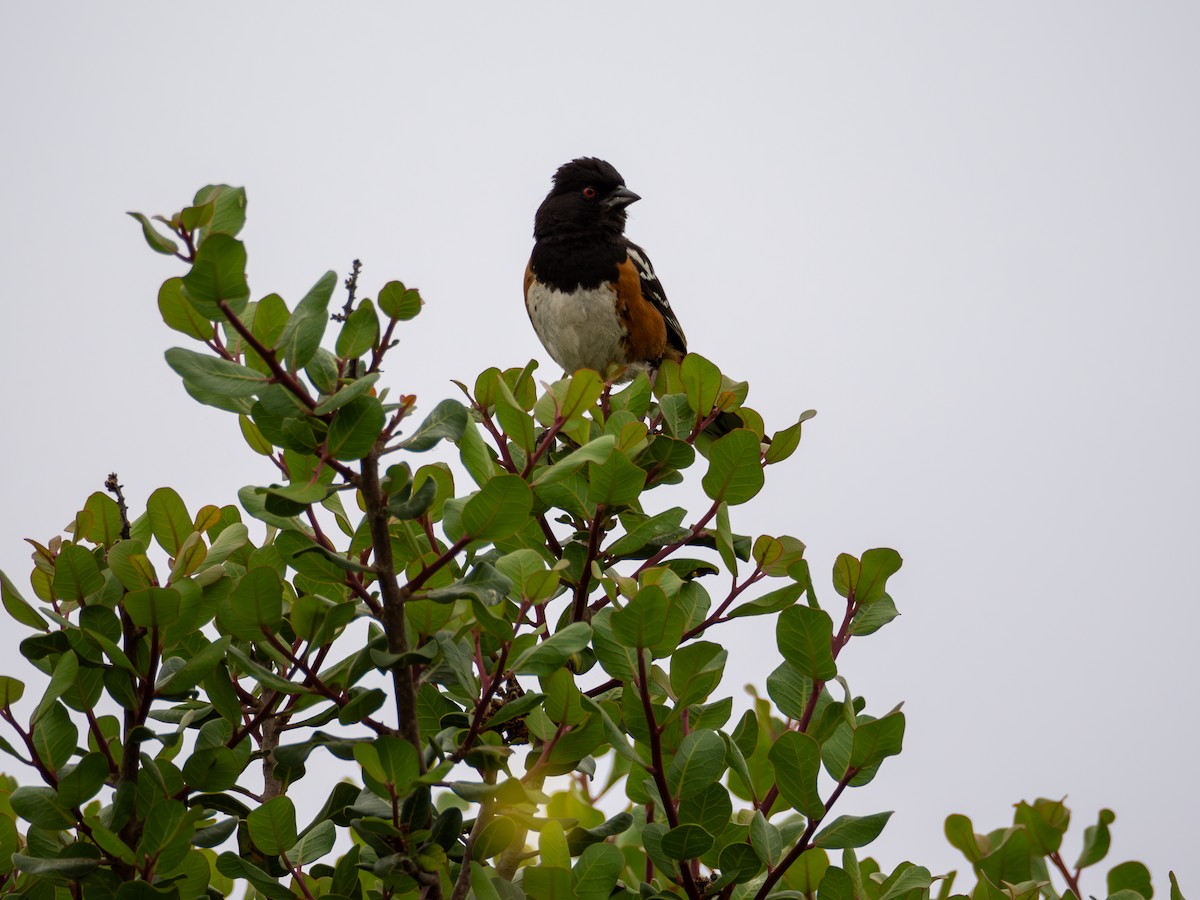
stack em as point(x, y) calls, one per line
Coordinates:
point(591, 293)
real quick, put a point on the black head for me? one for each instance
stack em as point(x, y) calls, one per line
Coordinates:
point(588, 198)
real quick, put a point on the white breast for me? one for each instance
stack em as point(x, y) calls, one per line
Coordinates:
point(580, 329)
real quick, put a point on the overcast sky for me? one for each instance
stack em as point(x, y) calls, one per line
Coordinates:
point(968, 234)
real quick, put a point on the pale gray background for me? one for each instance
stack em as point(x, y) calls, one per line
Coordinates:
point(966, 233)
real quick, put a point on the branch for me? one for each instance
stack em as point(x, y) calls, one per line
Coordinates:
point(692, 534)
point(658, 772)
point(804, 843)
point(546, 443)
point(506, 459)
point(351, 285)
point(482, 707)
point(1072, 880)
point(551, 541)
point(394, 598)
point(34, 760)
point(462, 884)
point(111, 485)
point(281, 375)
point(715, 618)
point(314, 681)
point(839, 641)
point(579, 604)
point(434, 567)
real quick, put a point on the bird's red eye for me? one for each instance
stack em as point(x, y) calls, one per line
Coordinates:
point(589, 192)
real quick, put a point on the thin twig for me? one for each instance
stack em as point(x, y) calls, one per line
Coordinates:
point(658, 770)
point(805, 839)
point(595, 530)
point(111, 485)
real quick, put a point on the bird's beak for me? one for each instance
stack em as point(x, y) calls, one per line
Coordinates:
point(621, 197)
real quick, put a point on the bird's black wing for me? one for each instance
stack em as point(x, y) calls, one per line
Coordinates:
point(652, 290)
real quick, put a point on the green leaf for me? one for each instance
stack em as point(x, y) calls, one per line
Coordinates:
point(784, 443)
point(851, 831)
point(696, 671)
point(836, 885)
point(65, 674)
point(483, 583)
point(579, 838)
point(229, 208)
point(11, 690)
point(615, 482)
point(547, 656)
point(686, 842)
point(129, 563)
point(530, 578)
point(735, 472)
point(547, 882)
point(76, 573)
point(699, 762)
point(254, 605)
point(495, 838)
point(322, 371)
point(232, 865)
point(158, 241)
point(1176, 893)
point(595, 873)
point(179, 313)
point(315, 843)
point(359, 332)
point(217, 376)
point(961, 835)
point(583, 391)
point(302, 334)
point(877, 567)
point(701, 383)
point(352, 391)
point(355, 428)
point(914, 878)
point(69, 868)
point(410, 504)
point(796, 759)
point(645, 535)
point(196, 669)
point(804, 636)
point(846, 570)
point(272, 826)
point(765, 839)
point(40, 806)
point(875, 740)
point(711, 809)
point(398, 302)
point(1096, 840)
point(1045, 821)
point(84, 781)
point(1130, 876)
point(870, 619)
point(447, 422)
point(169, 519)
point(218, 274)
point(477, 458)
point(740, 863)
point(18, 607)
point(594, 451)
point(641, 623)
point(498, 510)
point(1009, 857)
point(513, 709)
point(153, 607)
point(771, 602)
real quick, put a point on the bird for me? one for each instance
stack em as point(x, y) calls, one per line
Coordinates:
point(591, 293)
